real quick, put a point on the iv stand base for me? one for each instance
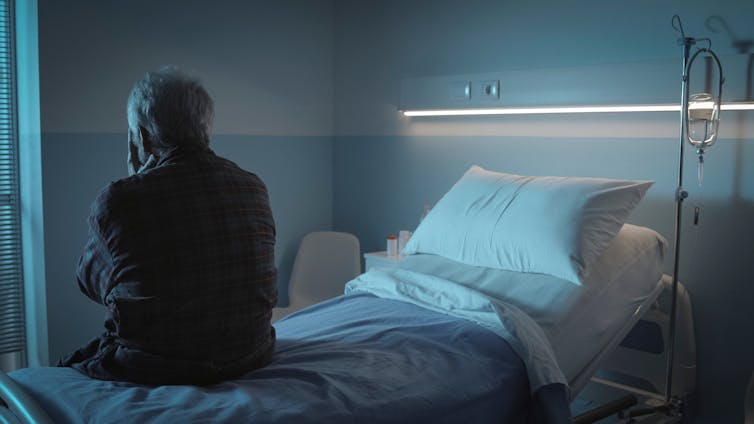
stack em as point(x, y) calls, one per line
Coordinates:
point(672, 411)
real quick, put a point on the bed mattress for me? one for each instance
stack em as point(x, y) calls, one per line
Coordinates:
point(356, 359)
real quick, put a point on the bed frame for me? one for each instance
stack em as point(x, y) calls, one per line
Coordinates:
point(644, 357)
point(17, 407)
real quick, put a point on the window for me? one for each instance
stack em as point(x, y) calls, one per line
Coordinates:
point(12, 328)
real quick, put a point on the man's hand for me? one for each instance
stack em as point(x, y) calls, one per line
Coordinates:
point(133, 157)
point(133, 163)
point(150, 163)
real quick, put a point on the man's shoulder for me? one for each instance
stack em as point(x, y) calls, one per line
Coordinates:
point(119, 188)
point(242, 179)
point(121, 192)
point(235, 168)
point(110, 196)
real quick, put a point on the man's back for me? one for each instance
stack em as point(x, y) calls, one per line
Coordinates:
point(183, 257)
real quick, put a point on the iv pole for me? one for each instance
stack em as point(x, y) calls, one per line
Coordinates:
point(680, 195)
point(673, 406)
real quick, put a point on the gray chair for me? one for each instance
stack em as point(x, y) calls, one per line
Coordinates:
point(325, 262)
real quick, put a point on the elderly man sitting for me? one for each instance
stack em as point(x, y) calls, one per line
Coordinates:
point(181, 252)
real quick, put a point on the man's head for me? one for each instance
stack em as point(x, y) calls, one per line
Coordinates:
point(168, 109)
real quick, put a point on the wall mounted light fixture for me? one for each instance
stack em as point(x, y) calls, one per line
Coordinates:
point(543, 110)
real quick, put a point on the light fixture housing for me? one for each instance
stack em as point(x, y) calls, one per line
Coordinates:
point(544, 110)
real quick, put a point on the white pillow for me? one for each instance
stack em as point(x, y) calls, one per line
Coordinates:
point(550, 225)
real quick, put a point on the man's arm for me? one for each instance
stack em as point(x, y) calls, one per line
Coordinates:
point(95, 265)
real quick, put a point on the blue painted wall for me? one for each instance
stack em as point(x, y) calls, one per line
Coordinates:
point(387, 166)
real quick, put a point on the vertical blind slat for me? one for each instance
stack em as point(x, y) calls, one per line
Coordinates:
point(12, 321)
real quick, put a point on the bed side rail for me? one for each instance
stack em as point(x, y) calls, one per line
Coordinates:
point(17, 406)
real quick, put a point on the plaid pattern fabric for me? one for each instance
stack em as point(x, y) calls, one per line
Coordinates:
point(182, 255)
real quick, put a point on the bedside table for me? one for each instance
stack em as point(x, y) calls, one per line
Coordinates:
point(381, 260)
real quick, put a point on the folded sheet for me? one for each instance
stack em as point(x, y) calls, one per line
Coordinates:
point(523, 334)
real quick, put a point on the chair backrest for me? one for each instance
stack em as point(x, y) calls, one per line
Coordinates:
point(325, 262)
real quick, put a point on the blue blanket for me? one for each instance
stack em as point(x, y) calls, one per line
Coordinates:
point(354, 359)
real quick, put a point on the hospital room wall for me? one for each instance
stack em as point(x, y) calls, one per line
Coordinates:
point(271, 118)
point(386, 167)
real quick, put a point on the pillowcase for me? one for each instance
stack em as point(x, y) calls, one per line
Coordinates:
point(551, 225)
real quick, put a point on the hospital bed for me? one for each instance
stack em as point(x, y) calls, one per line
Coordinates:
point(430, 340)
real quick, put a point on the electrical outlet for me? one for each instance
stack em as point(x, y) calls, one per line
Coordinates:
point(488, 90)
point(460, 90)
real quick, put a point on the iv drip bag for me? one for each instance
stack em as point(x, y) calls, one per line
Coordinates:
point(703, 120)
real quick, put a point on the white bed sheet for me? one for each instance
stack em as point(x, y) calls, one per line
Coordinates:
point(507, 321)
point(580, 321)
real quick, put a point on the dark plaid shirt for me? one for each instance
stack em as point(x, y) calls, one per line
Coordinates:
point(182, 255)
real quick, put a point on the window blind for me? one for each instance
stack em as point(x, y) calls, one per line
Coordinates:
point(12, 327)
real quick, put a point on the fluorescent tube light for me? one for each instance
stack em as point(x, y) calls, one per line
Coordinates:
point(535, 110)
point(737, 106)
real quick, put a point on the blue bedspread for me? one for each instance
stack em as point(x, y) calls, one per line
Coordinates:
point(353, 359)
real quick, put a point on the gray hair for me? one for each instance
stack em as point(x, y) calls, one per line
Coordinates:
point(174, 109)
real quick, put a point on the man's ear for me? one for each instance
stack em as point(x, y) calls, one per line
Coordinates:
point(146, 141)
